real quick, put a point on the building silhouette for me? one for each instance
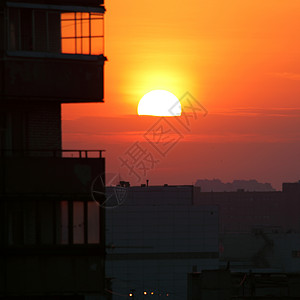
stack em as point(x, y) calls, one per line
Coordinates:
point(227, 285)
point(155, 237)
point(216, 185)
point(159, 234)
point(51, 231)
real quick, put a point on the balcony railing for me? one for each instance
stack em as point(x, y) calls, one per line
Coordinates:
point(95, 3)
point(51, 153)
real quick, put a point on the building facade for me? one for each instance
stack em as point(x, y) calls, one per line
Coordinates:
point(226, 285)
point(154, 238)
point(258, 230)
point(156, 235)
point(52, 232)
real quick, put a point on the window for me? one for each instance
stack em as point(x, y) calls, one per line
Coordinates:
point(5, 134)
point(2, 130)
point(52, 222)
point(82, 33)
point(40, 30)
point(296, 253)
point(34, 30)
point(79, 223)
point(64, 222)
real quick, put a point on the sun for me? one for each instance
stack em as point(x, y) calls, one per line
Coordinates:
point(159, 103)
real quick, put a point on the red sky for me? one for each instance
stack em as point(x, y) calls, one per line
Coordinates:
point(238, 59)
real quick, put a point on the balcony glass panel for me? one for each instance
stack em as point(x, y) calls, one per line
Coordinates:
point(93, 223)
point(78, 222)
point(41, 30)
point(86, 29)
point(64, 221)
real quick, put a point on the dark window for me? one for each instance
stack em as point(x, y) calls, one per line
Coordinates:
point(14, 27)
point(34, 30)
point(53, 31)
point(46, 222)
point(26, 18)
point(5, 133)
point(296, 254)
point(54, 38)
point(40, 29)
point(2, 129)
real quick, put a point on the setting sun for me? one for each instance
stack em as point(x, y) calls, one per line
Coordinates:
point(159, 103)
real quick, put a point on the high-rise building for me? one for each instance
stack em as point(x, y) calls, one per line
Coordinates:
point(52, 239)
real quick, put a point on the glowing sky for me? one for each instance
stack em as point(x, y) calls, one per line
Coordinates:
point(238, 59)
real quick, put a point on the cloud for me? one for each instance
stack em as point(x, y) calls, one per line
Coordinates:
point(287, 75)
point(254, 111)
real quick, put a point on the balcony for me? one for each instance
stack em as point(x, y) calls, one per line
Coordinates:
point(53, 52)
point(66, 2)
point(51, 231)
point(62, 77)
point(64, 172)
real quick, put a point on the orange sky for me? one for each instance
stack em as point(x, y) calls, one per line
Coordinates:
point(239, 59)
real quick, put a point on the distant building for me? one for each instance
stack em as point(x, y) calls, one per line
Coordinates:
point(51, 231)
point(226, 285)
point(158, 233)
point(216, 185)
point(258, 230)
point(291, 187)
point(155, 238)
